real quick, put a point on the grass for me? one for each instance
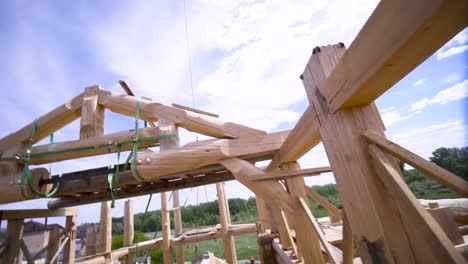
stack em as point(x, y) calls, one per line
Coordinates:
point(246, 247)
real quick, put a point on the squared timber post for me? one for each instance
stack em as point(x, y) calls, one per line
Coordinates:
point(128, 227)
point(69, 249)
point(91, 240)
point(14, 234)
point(307, 241)
point(178, 225)
point(384, 232)
point(92, 125)
point(54, 240)
point(224, 215)
point(167, 127)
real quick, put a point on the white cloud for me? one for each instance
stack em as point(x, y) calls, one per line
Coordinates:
point(391, 117)
point(451, 52)
point(419, 82)
point(426, 139)
point(456, 92)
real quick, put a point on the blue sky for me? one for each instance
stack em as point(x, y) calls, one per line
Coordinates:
point(246, 60)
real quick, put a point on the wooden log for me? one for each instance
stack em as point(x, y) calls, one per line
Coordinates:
point(430, 169)
point(178, 225)
point(86, 147)
point(128, 228)
point(36, 213)
point(47, 124)
point(302, 138)
point(202, 153)
point(54, 241)
point(420, 225)
point(138, 190)
point(26, 253)
point(265, 247)
point(13, 237)
point(70, 244)
point(288, 174)
point(281, 256)
point(463, 249)
point(152, 111)
point(386, 56)
point(333, 212)
point(307, 241)
point(262, 213)
point(271, 191)
point(284, 232)
point(91, 240)
point(10, 186)
point(446, 220)
point(229, 248)
point(166, 145)
point(236, 230)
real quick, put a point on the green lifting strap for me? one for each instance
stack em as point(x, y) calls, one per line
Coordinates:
point(27, 175)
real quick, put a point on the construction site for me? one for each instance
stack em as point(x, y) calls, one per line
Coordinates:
point(381, 221)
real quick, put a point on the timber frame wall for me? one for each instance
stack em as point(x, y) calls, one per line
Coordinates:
point(382, 220)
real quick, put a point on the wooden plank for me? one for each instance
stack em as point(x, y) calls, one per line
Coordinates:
point(386, 56)
point(284, 232)
point(307, 240)
point(128, 227)
point(302, 138)
point(54, 242)
point(430, 169)
point(288, 174)
point(202, 153)
point(47, 124)
point(333, 212)
point(281, 256)
point(446, 220)
point(36, 213)
point(420, 225)
point(195, 110)
point(70, 240)
point(167, 144)
point(267, 190)
point(152, 111)
point(318, 232)
point(463, 249)
point(86, 147)
point(262, 213)
point(13, 237)
point(229, 247)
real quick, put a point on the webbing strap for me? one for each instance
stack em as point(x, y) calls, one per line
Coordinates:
point(27, 175)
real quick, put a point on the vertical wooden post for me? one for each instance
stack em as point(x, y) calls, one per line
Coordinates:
point(92, 125)
point(69, 249)
point(105, 230)
point(228, 240)
point(52, 251)
point(348, 242)
point(13, 237)
point(91, 240)
point(262, 213)
point(307, 241)
point(128, 228)
point(165, 144)
point(178, 225)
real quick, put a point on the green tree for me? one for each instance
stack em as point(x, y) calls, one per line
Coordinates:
point(454, 160)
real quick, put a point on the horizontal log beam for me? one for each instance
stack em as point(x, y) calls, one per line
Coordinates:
point(142, 189)
point(195, 110)
point(194, 155)
point(91, 146)
point(152, 111)
point(430, 169)
point(46, 125)
point(290, 174)
point(386, 56)
point(36, 213)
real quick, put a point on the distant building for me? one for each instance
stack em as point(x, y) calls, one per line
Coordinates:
point(36, 235)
